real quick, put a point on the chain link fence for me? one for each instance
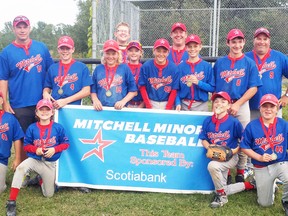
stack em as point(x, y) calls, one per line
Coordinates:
point(210, 19)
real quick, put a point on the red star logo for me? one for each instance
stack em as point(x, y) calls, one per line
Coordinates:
point(98, 152)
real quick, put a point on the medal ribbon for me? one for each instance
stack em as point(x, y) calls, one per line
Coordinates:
point(263, 60)
point(268, 132)
point(177, 55)
point(1, 114)
point(65, 68)
point(108, 75)
point(135, 71)
point(42, 133)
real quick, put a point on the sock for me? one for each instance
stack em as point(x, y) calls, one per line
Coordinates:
point(248, 186)
point(14, 193)
point(229, 172)
point(240, 171)
point(222, 192)
point(40, 181)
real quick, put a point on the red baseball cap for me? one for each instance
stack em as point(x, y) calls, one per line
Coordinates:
point(161, 43)
point(135, 44)
point(43, 103)
point(193, 38)
point(111, 45)
point(269, 98)
point(66, 41)
point(20, 19)
point(178, 25)
point(262, 31)
point(234, 33)
point(222, 94)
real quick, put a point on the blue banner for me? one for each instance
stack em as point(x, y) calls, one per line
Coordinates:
point(133, 149)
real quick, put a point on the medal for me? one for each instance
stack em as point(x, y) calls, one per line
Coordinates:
point(60, 91)
point(273, 156)
point(108, 93)
point(189, 83)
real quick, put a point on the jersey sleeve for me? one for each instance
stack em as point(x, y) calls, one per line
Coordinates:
point(209, 84)
point(86, 78)
point(247, 139)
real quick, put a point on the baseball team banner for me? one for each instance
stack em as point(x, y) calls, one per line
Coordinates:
point(133, 149)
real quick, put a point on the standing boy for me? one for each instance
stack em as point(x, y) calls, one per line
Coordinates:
point(238, 75)
point(67, 81)
point(44, 142)
point(265, 141)
point(196, 79)
point(159, 78)
point(222, 129)
point(10, 131)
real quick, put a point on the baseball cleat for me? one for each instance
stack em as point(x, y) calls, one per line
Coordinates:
point(219, 201)
point(11, 208)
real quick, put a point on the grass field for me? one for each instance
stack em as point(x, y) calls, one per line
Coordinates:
point(70, 202)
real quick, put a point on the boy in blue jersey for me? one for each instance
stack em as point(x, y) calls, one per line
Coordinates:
point(265, 141)
point(272, 66)
point(225, 130)
point(238, 75)
point(67, 81)
point(10, 131)
point(44, 142)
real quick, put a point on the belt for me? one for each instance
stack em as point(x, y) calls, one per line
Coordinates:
point(135, 103)
point(258, 166)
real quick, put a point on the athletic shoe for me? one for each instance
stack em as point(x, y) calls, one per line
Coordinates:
point(229, 179)
point(248, 172)
point(34, 181)
point(219, 201)
point(239, 178)
point(84, 189)
point(25, 180)
point(285, 207)
point(11, 208)
point(253, 182)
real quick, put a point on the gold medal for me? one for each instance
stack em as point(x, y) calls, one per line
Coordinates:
point(189, 83)
point(108, 93)
point(273, 156)
point(60, 91)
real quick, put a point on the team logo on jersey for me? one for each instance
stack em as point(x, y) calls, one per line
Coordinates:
point(47, 143)
point(4, 128)
point(229, 75)
point(265, 145)
point(199, 76)
point(68, 79)
point(219, 137)
point(28, 64)
point(97, 140)
point(157, 83)
point(117, 81)
point(267, 67)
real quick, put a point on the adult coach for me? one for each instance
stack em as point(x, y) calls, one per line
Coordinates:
point(23, 65)
point(265, 141)
point(178, 51)
point(272, 65)
point(122, 35)
point(238, 75)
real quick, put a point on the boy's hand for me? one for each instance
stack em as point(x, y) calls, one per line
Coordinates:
point(39, 151)
point(49, 152)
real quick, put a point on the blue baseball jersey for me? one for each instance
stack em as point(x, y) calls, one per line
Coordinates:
point(254, 138)
point(178, 56)
point(135, 69)
point(271, 72)
point(10, 131)
point(236, 76)
point(25, 72)
point(77, 77)
point(204, 73)
point(158, 85)
point(123, 82)
point(50, 139)
point(226, 132)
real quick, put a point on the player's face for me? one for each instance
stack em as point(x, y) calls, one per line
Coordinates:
point(193, 49)
point(261, 44)
point(134, 55)
point(161, 55)
point(122, 34)
point(178, 37)
point(22, 32)
point(268, 111)
point(220, 106)
point(44, 113)
point(236, 46)
point(111, 57)
point(65, 53)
